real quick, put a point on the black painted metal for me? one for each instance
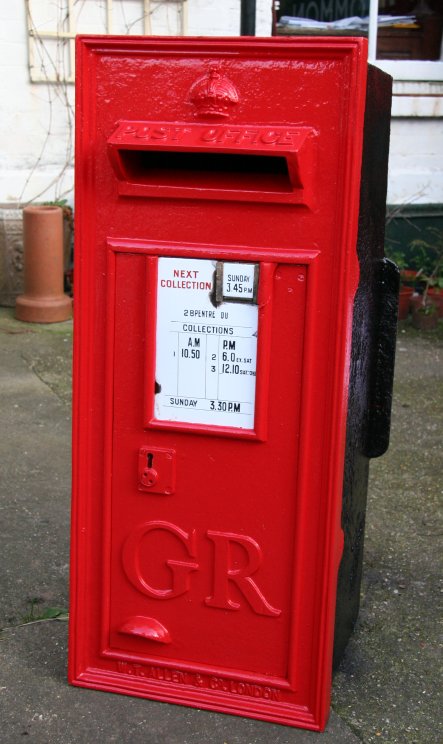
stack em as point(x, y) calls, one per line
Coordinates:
point(372, 353)
point(382, 377)
point(247, 17)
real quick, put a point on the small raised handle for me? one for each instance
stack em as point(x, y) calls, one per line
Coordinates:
point(382, 368)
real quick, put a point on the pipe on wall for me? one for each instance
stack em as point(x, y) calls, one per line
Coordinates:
point(247, 17)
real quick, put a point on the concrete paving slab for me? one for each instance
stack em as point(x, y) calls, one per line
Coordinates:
point(387, 687)
point(389, 684)
point(38, 706)
point(35, 463)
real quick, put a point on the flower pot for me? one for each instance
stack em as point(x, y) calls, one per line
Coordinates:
point(43, 300)
point(407, 277)
point(415, 302)
point(425, 318)
point(404, 302)
point(436, 295)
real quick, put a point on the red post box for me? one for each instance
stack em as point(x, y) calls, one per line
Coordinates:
point(217, 262)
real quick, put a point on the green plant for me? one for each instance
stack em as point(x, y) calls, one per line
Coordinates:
point(35, 614)
point(426, 306)
point(397, 256)
point(43, 615)
point(430, 272)
point(56, 203)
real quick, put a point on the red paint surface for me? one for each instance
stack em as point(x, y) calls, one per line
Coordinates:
point(237, 565)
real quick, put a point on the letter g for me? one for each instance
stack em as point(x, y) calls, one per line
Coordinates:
point(135, 567)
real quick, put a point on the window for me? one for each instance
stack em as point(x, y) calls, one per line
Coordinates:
point(411, 52)
point(408, 53)
point(418, 83)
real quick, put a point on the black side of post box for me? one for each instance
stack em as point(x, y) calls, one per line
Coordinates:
point(372, 352)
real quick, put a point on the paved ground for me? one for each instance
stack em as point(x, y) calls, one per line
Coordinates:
point(387, 688)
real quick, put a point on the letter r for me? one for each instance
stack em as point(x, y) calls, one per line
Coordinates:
point(224, 573)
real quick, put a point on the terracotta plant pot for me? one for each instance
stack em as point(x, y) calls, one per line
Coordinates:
point(404, 301)
point(436, 295)
point(415, 302)
point(43, 300)
point(425, 318)
point(407, 277)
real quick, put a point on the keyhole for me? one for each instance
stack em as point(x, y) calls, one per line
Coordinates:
point(149, 458)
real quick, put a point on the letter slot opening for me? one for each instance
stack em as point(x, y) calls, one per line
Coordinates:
point(207, 170)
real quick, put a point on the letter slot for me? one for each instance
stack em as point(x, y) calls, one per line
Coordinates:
point(264, 164)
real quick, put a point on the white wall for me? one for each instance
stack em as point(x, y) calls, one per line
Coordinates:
point(416, 161)
point(28, 112)
point(35, 122)
point(38, 166)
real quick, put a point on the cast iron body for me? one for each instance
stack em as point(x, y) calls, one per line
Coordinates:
point(217, 261)
point(374, 328)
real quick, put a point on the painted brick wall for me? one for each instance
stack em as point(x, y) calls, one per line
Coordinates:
point(28, 113)
point(35, 166)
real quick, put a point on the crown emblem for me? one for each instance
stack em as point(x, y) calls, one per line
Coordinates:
point(213, 95)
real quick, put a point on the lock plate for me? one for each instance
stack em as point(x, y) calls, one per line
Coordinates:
point(156, 470)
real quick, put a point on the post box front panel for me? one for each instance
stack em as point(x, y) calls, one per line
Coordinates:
point(205, 554)
point(217, 207)
point(206, 342)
